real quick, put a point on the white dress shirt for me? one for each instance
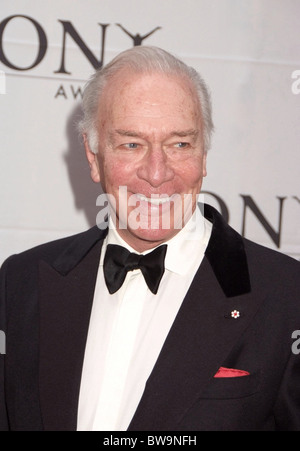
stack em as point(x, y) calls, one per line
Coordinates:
point(128, 329)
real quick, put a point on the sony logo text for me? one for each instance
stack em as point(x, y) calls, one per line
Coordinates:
point(67, 31)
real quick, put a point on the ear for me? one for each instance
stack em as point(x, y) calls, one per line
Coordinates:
point(93, 161)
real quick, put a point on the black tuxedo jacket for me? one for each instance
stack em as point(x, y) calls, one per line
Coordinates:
point(46, 299)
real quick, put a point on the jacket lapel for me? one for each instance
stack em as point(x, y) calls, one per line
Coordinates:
point(203, 333)
point(65, 298)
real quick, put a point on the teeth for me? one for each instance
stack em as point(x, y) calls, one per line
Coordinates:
point(154, 201)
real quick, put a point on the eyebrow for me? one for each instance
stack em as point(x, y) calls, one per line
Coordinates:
point(180, 133)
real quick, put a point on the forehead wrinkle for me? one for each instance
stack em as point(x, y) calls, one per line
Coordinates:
point(175, 133)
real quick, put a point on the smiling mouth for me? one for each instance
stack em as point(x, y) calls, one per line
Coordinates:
point(154, 199)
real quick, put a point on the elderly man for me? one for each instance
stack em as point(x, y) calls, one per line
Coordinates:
point(167, 319)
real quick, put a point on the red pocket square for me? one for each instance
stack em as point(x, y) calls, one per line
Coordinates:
point(229, 372)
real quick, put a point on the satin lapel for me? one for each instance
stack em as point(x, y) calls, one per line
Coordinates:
point(200, 339)
point(65, 305)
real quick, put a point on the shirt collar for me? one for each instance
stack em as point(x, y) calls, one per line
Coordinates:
point(189, 245)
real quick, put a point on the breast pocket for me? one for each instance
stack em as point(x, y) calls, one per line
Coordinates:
point(232, 387)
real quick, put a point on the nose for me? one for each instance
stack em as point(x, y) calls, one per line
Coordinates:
point(155, 167)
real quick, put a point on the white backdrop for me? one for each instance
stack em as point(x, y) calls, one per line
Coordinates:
point(248, 52)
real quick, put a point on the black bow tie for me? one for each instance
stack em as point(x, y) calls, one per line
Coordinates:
point(118, 261)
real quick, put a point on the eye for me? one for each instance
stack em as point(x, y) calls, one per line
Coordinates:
point(182, 145)
point(131, 146)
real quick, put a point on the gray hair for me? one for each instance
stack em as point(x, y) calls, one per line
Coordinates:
point(142, 59)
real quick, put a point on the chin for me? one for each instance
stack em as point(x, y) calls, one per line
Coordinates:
point(150, 238)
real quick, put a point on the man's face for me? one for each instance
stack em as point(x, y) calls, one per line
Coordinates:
point(151, 142)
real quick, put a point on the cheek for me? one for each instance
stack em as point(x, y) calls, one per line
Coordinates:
point(116, 173)
point(190, 174)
